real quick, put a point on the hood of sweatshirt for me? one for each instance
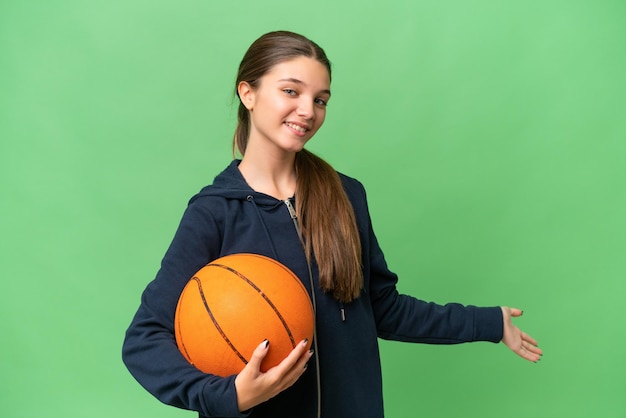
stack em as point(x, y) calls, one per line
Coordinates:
point(231, 186)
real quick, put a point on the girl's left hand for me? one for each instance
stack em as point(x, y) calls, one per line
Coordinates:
point(519, 342)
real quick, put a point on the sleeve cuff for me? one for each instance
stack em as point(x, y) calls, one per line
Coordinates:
point(488, 324)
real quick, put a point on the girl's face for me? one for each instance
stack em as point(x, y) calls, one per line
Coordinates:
point(289, 104)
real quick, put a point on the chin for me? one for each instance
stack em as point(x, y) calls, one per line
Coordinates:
point(294, 147)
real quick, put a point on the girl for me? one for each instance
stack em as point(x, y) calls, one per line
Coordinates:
point(282, 201)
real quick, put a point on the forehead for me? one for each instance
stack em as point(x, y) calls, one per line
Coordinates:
point(307, 70)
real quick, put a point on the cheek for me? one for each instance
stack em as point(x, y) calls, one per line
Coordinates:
point(280, 105)
point(320, 118)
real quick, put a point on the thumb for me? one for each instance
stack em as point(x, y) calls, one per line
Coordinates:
point(515, 312)
point(258, 355)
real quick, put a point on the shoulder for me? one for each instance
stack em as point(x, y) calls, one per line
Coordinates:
point(211, 199)
point(350, 183)
point(204, 194)
point(355, 191)
point(229, 184)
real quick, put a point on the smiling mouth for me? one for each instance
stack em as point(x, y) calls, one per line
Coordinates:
point(295, 127)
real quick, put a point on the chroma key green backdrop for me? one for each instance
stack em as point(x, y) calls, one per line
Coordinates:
point(490, 136)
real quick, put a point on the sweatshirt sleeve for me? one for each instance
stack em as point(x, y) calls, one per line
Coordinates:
point(149, 350)
point(406, 318)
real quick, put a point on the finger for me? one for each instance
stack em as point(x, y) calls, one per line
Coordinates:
point(288, 371)
point(298, 369)
point(530, 352)
point(530, 356)
point(303, 361)
point(516, 312)
point(532, 348)
point(290, 361)
point(292, 358)
point(528, 338)
point(258, 355)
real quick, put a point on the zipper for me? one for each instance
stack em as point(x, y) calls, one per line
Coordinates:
point(294, 217)
point(292, 213)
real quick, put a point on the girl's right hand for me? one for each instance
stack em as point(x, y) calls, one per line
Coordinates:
point(255, 387)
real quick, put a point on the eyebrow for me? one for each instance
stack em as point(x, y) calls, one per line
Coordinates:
point(296, 81)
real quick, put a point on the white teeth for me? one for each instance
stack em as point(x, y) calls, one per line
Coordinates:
point(296, 127)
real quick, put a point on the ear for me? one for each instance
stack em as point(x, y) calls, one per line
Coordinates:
point(246, 94)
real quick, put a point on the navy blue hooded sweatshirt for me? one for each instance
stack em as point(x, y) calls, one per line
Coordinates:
point(229, 217)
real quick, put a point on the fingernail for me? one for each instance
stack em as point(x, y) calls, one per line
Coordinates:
point(310, 352)
point(305, 341)
point(267, 342)
point(306, 365)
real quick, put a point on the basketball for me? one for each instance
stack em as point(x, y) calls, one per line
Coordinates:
point(234, 303)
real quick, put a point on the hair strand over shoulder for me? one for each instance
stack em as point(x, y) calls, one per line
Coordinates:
point(325, 215)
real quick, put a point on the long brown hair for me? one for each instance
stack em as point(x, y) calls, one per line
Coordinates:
point(325, 214)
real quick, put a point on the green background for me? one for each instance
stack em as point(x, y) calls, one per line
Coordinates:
point(490, 136)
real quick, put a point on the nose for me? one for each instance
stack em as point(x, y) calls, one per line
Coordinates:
point(306, 109)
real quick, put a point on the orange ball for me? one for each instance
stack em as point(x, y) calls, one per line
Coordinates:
point(234, 303)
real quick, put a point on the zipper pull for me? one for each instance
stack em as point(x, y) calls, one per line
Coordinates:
point(343, 313)
point(292, 211)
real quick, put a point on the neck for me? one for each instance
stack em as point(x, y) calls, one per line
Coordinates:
point(274, 175)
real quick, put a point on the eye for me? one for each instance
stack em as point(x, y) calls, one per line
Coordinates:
point(290, 92)
point(321, 102)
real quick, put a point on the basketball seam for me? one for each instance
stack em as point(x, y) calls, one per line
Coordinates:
point(216, 324)
point(263, 295)
point(178, 327)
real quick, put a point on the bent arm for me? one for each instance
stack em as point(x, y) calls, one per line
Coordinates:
point(150, 352)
